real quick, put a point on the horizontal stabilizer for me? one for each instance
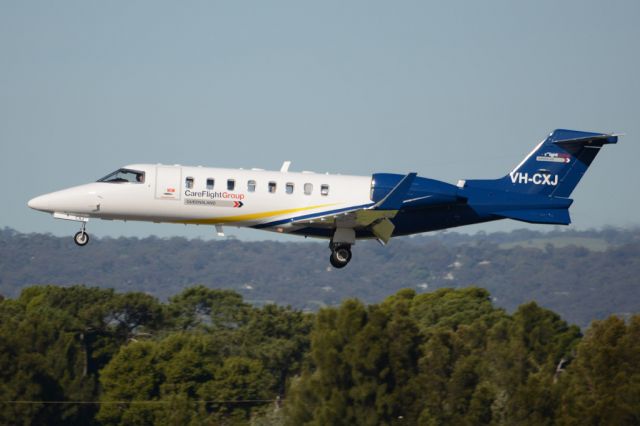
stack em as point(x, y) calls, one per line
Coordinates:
point(548, 216)
point(562, 136)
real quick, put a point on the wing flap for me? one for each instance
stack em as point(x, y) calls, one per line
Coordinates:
point(383, 230)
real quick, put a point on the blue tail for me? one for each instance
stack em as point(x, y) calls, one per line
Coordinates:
point(554, 167)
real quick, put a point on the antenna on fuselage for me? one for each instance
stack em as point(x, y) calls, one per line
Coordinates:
point(285, 166)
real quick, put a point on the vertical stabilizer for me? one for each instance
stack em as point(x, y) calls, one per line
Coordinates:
point(555, 166)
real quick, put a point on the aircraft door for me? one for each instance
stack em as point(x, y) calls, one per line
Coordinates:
point(168, 179)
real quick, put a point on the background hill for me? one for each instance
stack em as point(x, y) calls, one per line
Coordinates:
point(582, 275)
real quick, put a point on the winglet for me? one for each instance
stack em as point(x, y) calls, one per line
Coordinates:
point(394, 199)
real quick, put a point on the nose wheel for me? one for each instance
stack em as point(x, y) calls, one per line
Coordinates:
point(81, 238)
point(340, 255)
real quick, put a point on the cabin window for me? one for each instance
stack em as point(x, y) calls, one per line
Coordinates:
point(289, 188)
point(272, 187)
point(251, 186)
point(308, 188)
point(124, 176)
point(231, 184)
point(324, 189)
point(188, 183)
point(210, 183)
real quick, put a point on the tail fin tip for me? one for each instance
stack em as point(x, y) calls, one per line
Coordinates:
point(562, 136)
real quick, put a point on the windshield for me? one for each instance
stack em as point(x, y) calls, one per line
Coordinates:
point(123, 176)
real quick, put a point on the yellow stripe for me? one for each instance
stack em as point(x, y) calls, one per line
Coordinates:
point(251, 216)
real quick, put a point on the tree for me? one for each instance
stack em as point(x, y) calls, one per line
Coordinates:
point(364, 360)
point(602, 384)
point(57, 339)
point(131, 381)
point(205, 308)
point(279, 337)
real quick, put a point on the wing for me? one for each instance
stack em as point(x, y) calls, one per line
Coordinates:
point(375, 217)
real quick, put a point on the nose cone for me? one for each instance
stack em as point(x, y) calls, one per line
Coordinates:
point(79, 199)
point(41, 203)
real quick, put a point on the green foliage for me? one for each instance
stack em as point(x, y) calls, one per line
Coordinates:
point(602, 384)
point(153, 379)
point(451, 308)
point(55, 341)
point(448, 357)
point(208, 309)
point(207, 357)
point(216, 362)
point(364, 366)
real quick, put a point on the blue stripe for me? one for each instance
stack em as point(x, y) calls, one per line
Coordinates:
point(309, 216)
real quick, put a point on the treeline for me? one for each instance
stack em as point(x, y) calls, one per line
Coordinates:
point(94, 345)
point(92, 356)
point(582, 275)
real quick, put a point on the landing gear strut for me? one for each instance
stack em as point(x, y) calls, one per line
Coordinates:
point(340, 254)
point(81, 238)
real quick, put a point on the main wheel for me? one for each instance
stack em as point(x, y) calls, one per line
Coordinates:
point(340, 256)
point(81, 238)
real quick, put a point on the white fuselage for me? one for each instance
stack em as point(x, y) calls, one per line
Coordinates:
point(202, 195)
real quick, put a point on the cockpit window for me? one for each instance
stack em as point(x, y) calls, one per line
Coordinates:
point(124, 176)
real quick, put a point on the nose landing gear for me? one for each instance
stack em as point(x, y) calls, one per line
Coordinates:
point(340, 254)
point(81, 238)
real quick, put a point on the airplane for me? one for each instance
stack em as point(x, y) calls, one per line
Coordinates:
point(339, 208)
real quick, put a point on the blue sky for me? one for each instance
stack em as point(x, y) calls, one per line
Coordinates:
point(448, 89)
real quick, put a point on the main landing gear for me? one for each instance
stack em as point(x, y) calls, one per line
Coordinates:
point(340, 254)
point(340, 246)
point(81, 238)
